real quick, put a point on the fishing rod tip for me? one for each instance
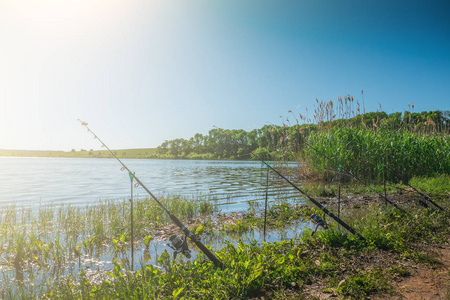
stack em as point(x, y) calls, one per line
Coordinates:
point(83, 123)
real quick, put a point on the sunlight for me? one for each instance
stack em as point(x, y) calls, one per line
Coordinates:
point(46, 46)
point(72, 17)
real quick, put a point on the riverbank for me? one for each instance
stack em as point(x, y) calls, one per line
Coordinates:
point(61, 251)
point(398, 251)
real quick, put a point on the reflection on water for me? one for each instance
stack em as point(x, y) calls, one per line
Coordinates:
point(30, 181)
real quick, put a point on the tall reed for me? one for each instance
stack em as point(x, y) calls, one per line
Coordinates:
point(409, 144)
point(362, 152)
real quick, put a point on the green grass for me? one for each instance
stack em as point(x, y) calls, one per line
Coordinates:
point(365, 283)
point(433, 185)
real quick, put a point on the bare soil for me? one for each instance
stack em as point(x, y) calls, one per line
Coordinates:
point(427, 282)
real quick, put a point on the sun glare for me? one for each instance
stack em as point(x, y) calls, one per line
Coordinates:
point(51, 17)
point(42, 43)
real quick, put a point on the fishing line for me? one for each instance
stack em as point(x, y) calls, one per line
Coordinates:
point(174, 219)
point(420, 193)
point(373, 181)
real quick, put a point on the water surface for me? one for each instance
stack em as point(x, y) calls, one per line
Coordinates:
point(29, 181)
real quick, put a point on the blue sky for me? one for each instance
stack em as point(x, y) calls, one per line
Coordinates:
point(141, 72)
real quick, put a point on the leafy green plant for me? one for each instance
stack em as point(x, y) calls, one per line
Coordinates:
point(363, 284)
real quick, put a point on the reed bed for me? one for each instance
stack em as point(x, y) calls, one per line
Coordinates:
point(362, 152)
point(374, 145)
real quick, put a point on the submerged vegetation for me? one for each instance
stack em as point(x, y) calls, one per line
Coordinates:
point(47, 243)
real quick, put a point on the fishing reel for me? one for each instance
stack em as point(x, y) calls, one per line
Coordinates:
point(319, 222)
point(422, 203)
point(179, 245)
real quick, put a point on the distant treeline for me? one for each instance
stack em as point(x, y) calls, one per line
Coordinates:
point(230, 144)
point(282, 142)
point(83, 153)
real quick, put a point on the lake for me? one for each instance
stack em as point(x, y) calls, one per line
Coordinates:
point(30, 181)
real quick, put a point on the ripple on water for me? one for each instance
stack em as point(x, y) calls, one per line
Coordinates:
point(27, 181)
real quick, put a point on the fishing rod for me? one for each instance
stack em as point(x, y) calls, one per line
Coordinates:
point(174, 219)
point(365, 184)
point(315, 202)
point(420, 193)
